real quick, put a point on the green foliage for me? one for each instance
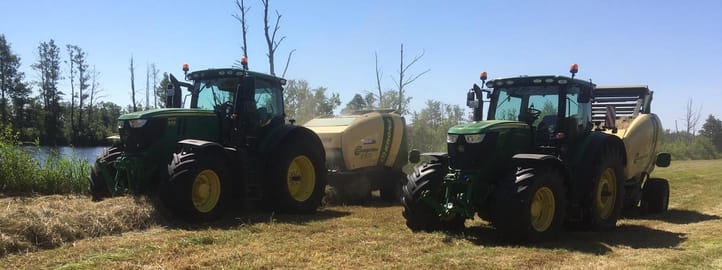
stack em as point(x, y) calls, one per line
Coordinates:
point(685, 146)
point(356, 103)
point(21, 173)
point(428, 131)
point(303, 103)
point(712, 129)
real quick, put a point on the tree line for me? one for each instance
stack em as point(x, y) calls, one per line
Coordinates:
point(41, 112)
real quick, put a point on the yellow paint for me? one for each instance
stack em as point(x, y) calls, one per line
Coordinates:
point(640, 136)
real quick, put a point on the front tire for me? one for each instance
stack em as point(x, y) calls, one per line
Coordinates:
point(533, 207)
point(423, 185)
point(198, 187)
point(297, 177)
point(98, 184)
point(655, 196)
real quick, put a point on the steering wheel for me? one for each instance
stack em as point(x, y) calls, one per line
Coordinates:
point(534, 112)
point(225, 109)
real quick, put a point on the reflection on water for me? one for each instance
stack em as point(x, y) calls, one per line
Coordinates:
point(42, 152)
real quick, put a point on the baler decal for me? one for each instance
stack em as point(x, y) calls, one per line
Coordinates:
point(387, 139)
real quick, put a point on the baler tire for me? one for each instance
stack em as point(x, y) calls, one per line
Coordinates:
point(419, 215)
point(532, 209)
point(98, 186)
point(391, 187)
point(607, 181)
point(297, 177)
point(655, 196)
point(198, 187)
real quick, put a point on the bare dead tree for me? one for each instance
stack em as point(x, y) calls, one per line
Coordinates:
point(132, 84)
point(271, 36)
point(147, 86)
point(403, 80)
point(288, 61)
point(95, 92)
point(242, 19)
point(692, 116)
point(71, 62)
point(379, 74)
point(154, 74)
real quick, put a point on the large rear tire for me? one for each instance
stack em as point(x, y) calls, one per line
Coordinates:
point(198, 187)
point(422, 187)
point(603, 203)
point(532, 208)
point(297, 177)
point(655, 196)
point(98, 184)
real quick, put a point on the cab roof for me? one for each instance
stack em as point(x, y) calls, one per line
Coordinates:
point(216, 72)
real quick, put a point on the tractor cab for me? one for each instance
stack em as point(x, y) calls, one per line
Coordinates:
point(245, 102)
point(554, 108)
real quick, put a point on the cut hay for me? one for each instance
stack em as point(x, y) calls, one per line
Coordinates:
point(31, 223)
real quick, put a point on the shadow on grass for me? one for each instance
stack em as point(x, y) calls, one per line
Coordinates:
point(679, 216)
point(240, 216)
point(598, 243)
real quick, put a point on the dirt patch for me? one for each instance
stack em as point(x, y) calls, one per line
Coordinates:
point(32, 223)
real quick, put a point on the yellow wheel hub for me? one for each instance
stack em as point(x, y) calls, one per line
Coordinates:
point(542, 209)
point(606, 193)
point(301, 178)
point(206, 191)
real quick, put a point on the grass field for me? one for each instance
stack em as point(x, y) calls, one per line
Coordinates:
point(125, 233)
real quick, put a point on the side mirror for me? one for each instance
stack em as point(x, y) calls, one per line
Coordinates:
point(169, 90)
point(414, 156)
point(663, 160)
point(471, 102)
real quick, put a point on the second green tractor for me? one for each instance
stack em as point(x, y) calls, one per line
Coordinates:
point(553, 152)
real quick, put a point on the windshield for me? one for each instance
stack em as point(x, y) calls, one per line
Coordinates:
point(516, 103)
point(216, 91)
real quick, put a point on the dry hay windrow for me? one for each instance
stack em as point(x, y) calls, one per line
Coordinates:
point(31, 223)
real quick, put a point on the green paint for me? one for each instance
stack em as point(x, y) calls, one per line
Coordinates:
point(388, 137)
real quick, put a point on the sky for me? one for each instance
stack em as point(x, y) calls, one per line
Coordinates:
point(674, 47)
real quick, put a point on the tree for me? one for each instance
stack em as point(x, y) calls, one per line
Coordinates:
point(712, 129)
point(431, 123)
point(370, 100)
point(303, 103)
point(392, 101)
point(11, 81)
point(404, 80)
point(154, 74)
point(244, 27)
point(132, 85)
point(160, 90)
point(379, 74)
point(356, 103)
point(95, 94)
point(692, 116)
point(79, 67)
point(48, 68)
point(271, 39)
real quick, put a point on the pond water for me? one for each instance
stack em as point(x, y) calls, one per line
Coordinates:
point(42, 152)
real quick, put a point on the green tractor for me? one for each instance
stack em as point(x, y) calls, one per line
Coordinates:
point(231, 147)
point(552, 154)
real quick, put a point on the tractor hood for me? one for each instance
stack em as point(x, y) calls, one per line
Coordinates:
point(154, 113)
point(486, 127)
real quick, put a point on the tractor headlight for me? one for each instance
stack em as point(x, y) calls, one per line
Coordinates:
point(120, 124)
point(137, 123)
point(474, 138)
point(451, 138)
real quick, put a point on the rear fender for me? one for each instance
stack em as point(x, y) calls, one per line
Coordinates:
point(586, 156)
point(541, 160)
point(192, 145)
point(279, 135)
